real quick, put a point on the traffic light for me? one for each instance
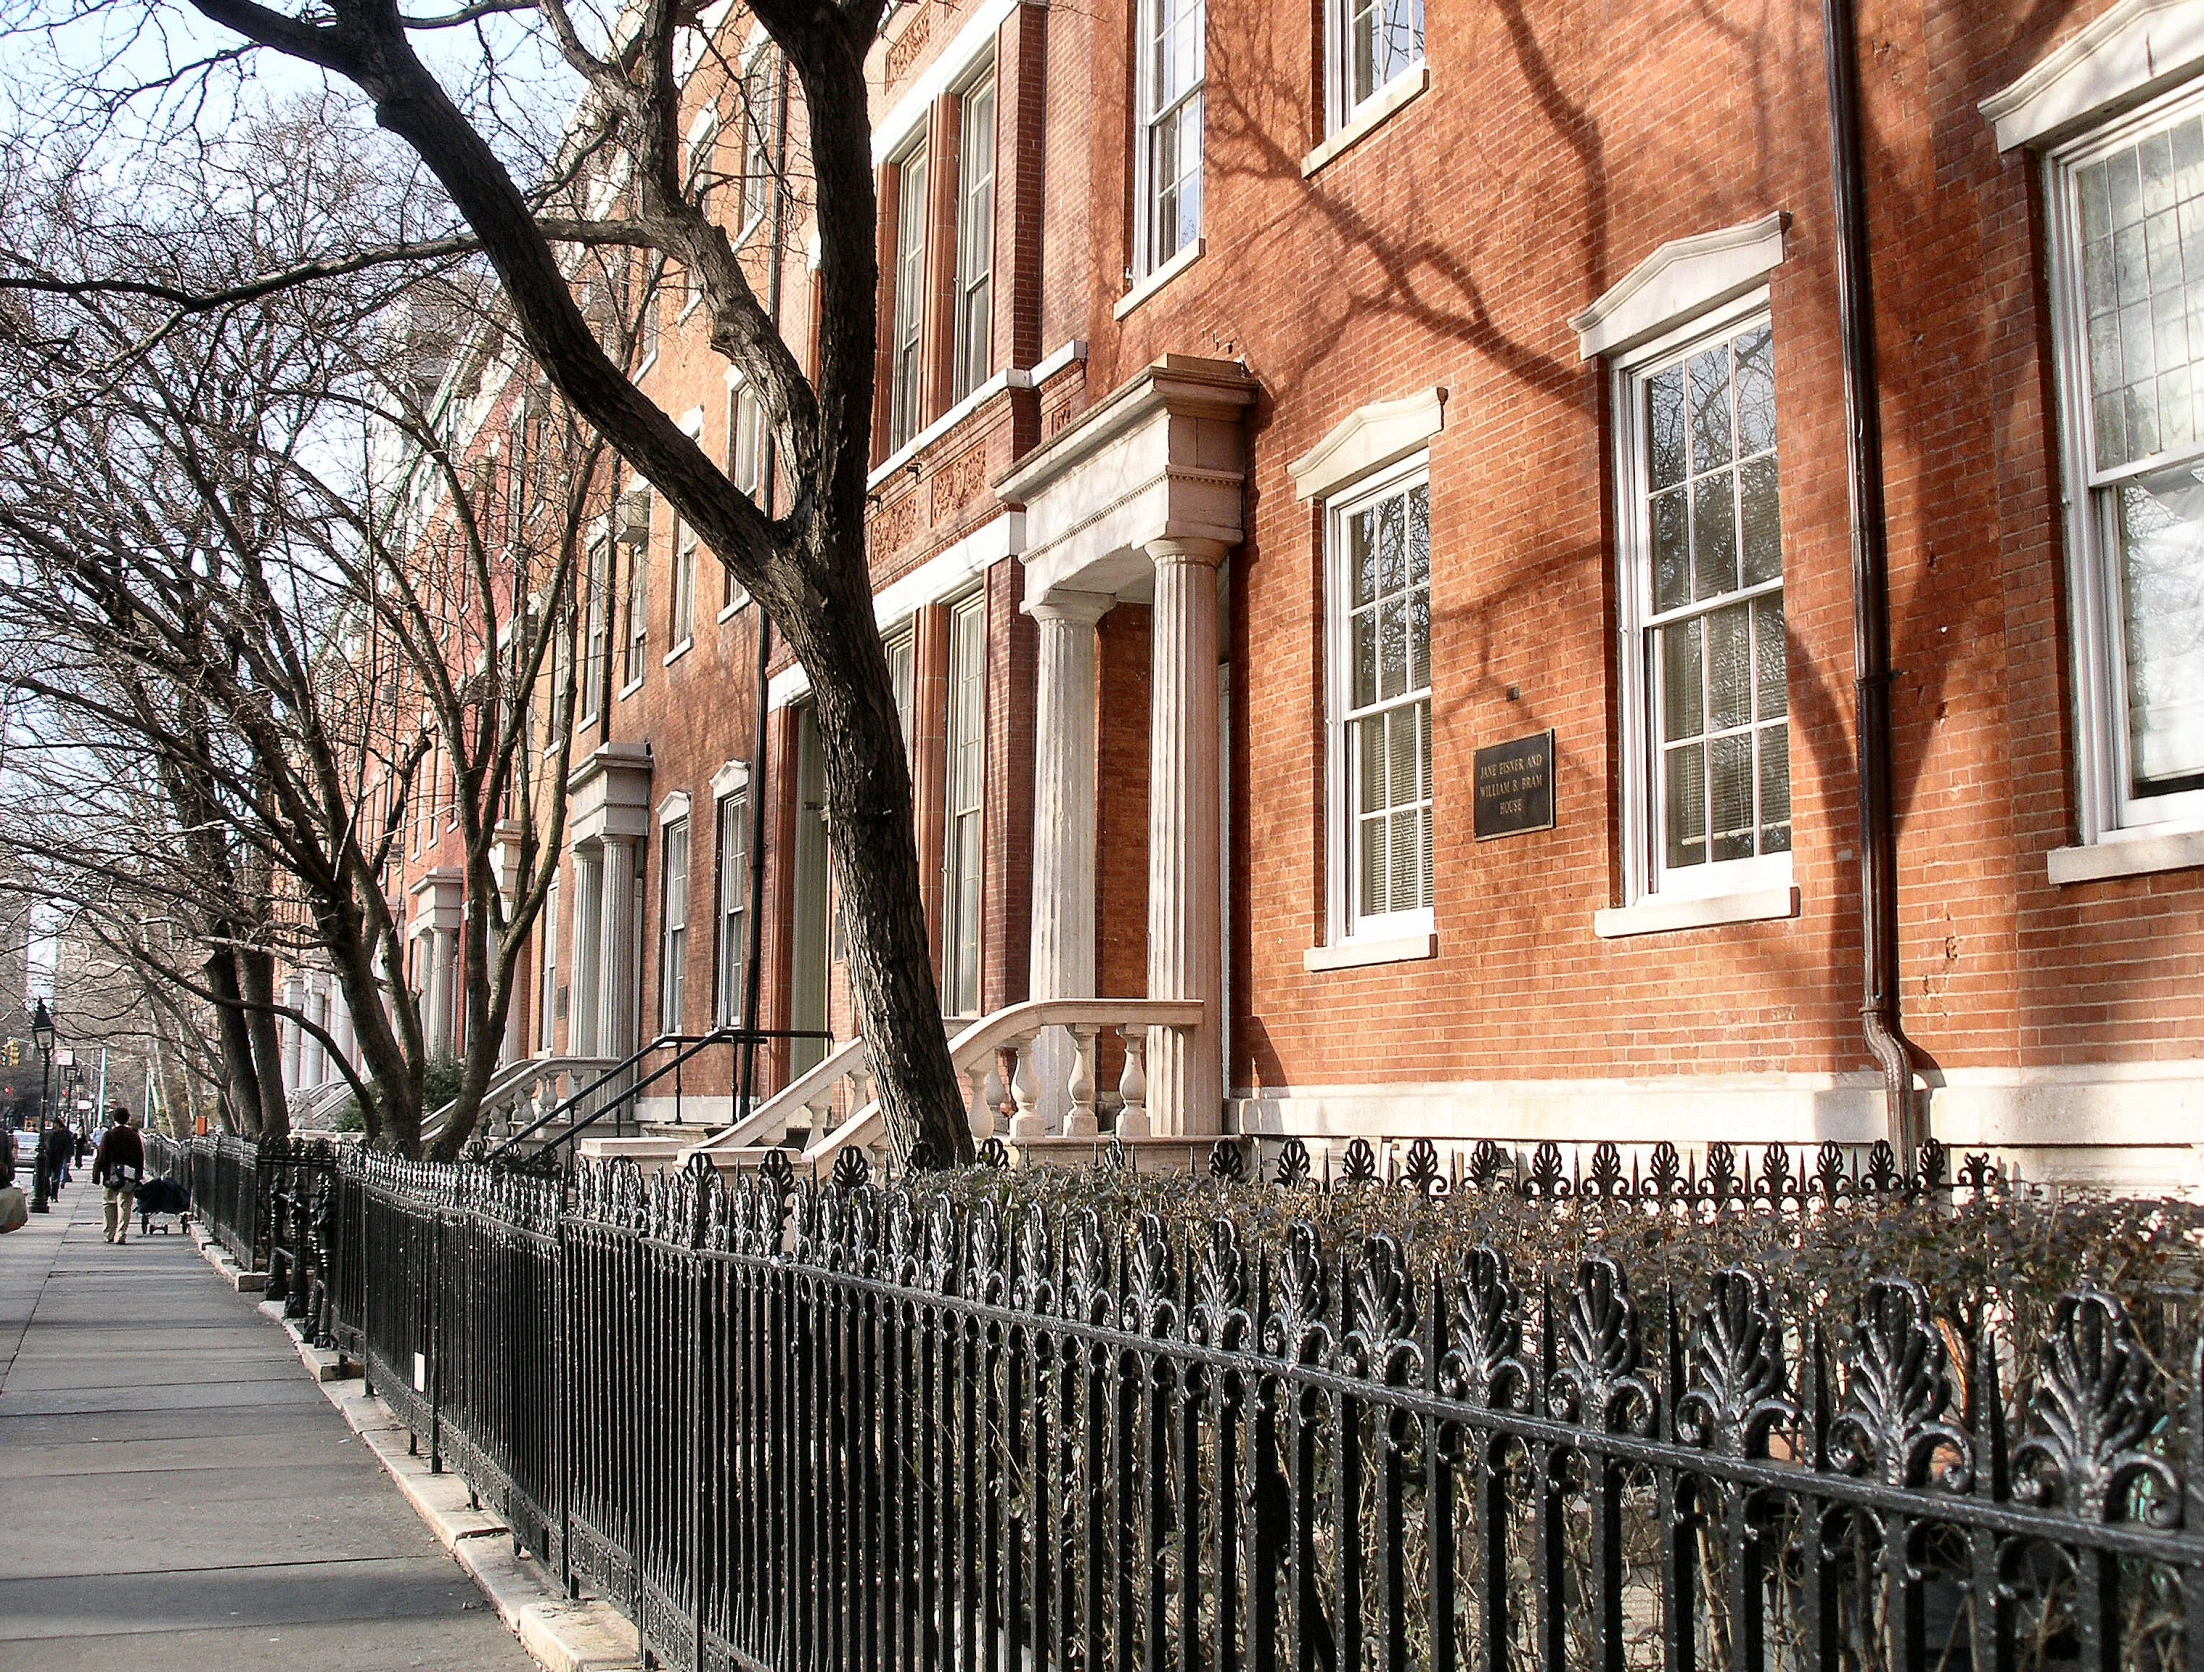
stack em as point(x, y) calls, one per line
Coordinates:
point(11, 1054)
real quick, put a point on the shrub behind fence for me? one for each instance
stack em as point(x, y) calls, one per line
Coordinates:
point(831, 1425)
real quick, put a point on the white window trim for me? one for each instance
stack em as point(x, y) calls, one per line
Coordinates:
point(751, 223)
point(677, 652)
point(1149, 275)
point(982, 71)
point(2134, 50)
point(908, 114)
point(1683, 279)
point(1720, 890)
point(1378, 109)
point(1367, 440)
point(2105, 813)
point(1157, 277)
point(1350, 941)
point(1339, 119)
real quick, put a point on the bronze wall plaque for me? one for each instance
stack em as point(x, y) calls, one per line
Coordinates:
point(1515, 787)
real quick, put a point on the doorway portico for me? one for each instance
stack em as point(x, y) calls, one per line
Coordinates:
point(1139, 501)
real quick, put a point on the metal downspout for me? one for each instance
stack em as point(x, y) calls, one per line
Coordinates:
point(1863, 447)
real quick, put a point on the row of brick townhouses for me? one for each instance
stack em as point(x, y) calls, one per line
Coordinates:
point(1363, 539)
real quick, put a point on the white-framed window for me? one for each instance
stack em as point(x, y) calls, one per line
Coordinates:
point(908, 362)
point(2125, 206)
point(1173, 51)
point(760, 118)
point(547, 1003)
point(745, 439)
point(635, 535)
point(704, 178)
point(1706, 698)
point(685, 544)
point(1373, 44)
point(731, 954)
point(973, 352)
point(962, 832)
point(673, 933)
point(596, 629)
point(1379, 655)
point(902, 648)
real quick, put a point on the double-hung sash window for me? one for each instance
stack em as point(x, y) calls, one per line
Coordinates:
point(760, 117)
point(909, 347)
point(730, 964)
point(2126, 209)
point(961, 871)
point(596, 629)
point(673, 937)
point(1380, 543)
point(1374, 44)
point(974, 345)
point(1173, 49)
point(635, 534)
point(1708, 698)
point(547, 1012)
point(684, 583)
point(902, 649)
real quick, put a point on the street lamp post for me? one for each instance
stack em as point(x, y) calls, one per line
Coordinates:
point(42, 1030)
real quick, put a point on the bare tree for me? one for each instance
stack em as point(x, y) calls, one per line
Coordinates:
point(238, 633)
point(618, 179)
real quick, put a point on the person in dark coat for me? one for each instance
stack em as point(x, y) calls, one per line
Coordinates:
point(61, 1143)
point(118, 1165)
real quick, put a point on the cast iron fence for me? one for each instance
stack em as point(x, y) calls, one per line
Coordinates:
point(827, 1424)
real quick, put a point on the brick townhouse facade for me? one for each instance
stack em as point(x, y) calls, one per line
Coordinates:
point(1364, 541)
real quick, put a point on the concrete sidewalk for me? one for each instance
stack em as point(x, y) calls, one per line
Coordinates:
point(175, 1493)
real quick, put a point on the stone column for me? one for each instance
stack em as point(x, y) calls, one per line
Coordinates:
point(340, 1023)
point(1064, 790)
point(313, 1058)
point(292, 1036)
point(443, 964)
point(1185, 955)
point(616, 950)
point(581, 1005)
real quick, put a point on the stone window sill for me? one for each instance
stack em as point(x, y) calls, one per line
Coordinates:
point(1373, 115)
point(1361, 954)
point(1156, 280)
point(2132, 856)
point(677, 652)
point(629, 690)
point(1656, 917)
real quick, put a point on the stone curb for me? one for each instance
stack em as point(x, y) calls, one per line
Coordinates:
point(562, 1635)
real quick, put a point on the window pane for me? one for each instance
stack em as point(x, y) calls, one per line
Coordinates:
point(1419, 535)
point(1392, 546)
point(1370, 884)
point(1665, 426)
point(1731, 774)
point(1763, 531)
point(1671, 562)
point(1406, 867)
point(1755, 392)
point(1365, 658)
point(2142, 278)
point(1729, 668)
point(1362, 555)
point(1769, 657)
point(1713, 535)
point(1775, 790)
point(1683, 708)
point(1393, 648)
point(1371, 754)
point(1687, 809)
point(2162, 598)
point(1709, 372)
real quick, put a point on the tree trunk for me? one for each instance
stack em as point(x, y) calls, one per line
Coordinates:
point(875, 858)
point(257, 973)
point(238, 1066)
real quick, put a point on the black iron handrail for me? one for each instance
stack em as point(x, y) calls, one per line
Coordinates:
point(690, 1045)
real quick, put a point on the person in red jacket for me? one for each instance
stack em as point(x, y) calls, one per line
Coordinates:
point(118, 1165)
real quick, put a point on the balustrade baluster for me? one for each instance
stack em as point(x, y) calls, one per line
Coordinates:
point(1132, 1085)
point(1080, 1120)
point(1027, 1121)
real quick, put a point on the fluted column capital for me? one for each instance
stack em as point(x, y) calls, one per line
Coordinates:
point(1066, 608)
point(1177, 548)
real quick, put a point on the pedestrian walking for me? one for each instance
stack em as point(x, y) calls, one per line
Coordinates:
point(61, 1143)
point(117, 1166)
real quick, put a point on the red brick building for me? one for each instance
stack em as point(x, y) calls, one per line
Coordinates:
point(1300, 425)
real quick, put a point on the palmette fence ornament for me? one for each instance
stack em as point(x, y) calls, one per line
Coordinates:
point(928, 1422)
